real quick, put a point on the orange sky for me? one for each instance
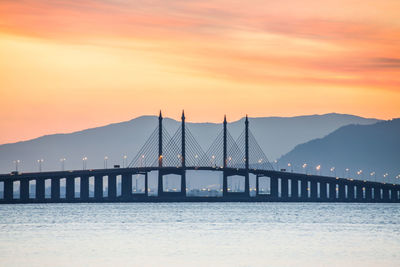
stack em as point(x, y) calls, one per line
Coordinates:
point(69, 65)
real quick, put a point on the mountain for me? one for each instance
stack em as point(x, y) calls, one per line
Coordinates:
point(276, 136)
point(370, 148)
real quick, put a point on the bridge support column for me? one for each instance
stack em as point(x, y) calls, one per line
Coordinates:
point(342, 191)
point(304, 189)
point(225, 184)
point(24, 189)
point(98, 187)
point(84, 188)
point(70, 190)
point(257, 185)
point(295, 188)
point(368, 193)
point(314, 190)
point(160, 186)
point(322, 191)
point(386, 194)
point(126, 186)
point(359, 189)
point(55, 189)
point(350, 192)
point(146, 184)
point(40, 189)
point(332, 191)
point(112, 187)
point(377, 193)
point(183, 183)
point(284, 189)
point(8, 190)
point(274, 188)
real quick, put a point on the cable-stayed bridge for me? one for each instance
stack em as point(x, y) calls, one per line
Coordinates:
point(166, 154)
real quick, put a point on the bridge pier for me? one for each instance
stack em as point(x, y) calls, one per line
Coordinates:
point(146, 184)
point(350, 191)
point(40, 189)
point(332, 191)
point(84, 195)
point(70, 188)
point(55, 189)
point(342, 191)
point(359, 191)
point(284, 189)
point(323, 194)
point(112, 187)
point(8, 190)
point(295, 188)
point(314, 190)
point(98, 187)
point(24, 190)
point(126, 186)
point(368, 193)
point(304, 189)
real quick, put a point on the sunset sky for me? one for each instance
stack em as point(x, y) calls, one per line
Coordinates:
point(70, 65)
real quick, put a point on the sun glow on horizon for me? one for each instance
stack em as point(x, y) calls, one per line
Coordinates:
point(67, 66)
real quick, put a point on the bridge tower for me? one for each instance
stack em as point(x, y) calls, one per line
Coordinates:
point(183, 157)
point(225, 177)
point(247, 160)
point(160, 189)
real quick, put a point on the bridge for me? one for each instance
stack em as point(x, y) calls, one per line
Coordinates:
point(178, 154)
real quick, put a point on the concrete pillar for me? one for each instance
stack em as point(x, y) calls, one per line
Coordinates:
point(126, 186)
point(304, 187)
point(257, 185)
point(322, 191)
point(284, 189)
point(98, 187)
point(70, 190)
point(377, 193)
point(359, 191)
point(112, 186)
point(183, 183)
point(84, 187)
point(342, 191)
point(40, 189)
point(24, 190)
point(146, 185)
point(332, 191)
point(368, 193)
point(295, 188)
point(386, 194)
point(350, 192)
point(314, 190)
point(160, 186)
point(8, 190)
point(274, 187)
point(55, 188)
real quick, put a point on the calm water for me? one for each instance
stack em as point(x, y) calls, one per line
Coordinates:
point(200, 234)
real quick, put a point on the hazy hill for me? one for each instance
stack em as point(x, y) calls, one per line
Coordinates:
point(370, 148)
point(276, 135)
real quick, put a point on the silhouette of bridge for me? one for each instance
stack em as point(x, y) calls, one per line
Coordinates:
point(179, 153)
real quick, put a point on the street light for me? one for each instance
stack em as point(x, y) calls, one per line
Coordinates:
point(124, 161)
point(105, 162)
point(373, 174)
point(347, 172)
point(277, 167)
point(16, 162)
point(359, 173)
point(305, 167)
point(291, 167)
point(62, 160)
point(40, 161)
point(318, 168)
point(333, 169)
point(84, 159)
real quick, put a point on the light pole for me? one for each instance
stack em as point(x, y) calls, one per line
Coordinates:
point(305, 167)
point(105, 162)
point(347, 172)
point(141, 161)
point(62, 160)
point(16, 162)
point(40, 161)
point(318, 168)
point(291, 167)
point(277, 167)
point(333, 169)
point(84, 159)
point(213, 160)
point(124, 161)
point(359, 173)
point(374, 175)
